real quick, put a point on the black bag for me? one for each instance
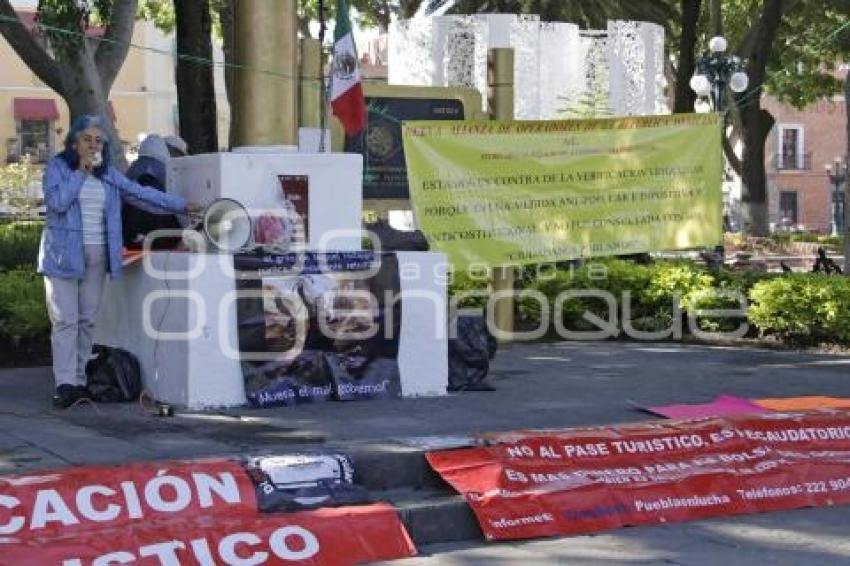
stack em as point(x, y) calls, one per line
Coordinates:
point(470, 354)
point(113, 375)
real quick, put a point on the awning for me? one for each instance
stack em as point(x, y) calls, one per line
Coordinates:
point(35, 109)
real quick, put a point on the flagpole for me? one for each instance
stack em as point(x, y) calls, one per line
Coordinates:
point(346, 84)
point(323, 95)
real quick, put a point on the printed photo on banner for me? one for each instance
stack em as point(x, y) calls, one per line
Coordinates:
point(325, 328)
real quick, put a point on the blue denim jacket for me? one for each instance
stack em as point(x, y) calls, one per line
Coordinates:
point(61, 251)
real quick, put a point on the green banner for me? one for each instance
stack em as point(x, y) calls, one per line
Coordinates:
point(506, 193)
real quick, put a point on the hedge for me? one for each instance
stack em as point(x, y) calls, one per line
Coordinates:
point(19, 243)
point(23, 314)
point(804, 308)
point(793, 307)
point(24, 324)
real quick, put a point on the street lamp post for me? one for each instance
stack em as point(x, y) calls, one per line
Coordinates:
point(715, 70)
point(837, 174)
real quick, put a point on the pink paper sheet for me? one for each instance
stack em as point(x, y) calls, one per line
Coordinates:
point(722, 406)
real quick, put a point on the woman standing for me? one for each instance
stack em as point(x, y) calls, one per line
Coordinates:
point(82, 242)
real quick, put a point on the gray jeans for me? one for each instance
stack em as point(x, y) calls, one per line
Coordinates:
point(72, 305)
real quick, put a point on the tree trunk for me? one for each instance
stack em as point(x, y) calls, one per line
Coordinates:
point(225, 16)
point(685, 96)
point(83, 91)
point(407, 8)
point(195, 84)
point(716, 18)
point(304, 27)
point(383, 16)
point(756, 122)
point(756, 126)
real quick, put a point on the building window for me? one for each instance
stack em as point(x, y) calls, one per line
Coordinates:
point(11, 150)
point(790, 154)
point(788, 209)
point(34, 139)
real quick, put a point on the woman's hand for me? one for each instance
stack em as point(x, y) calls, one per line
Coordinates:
point(86, 165)
point(194, 208)
point(194, 213)
point(89, 147)
point(91, 161)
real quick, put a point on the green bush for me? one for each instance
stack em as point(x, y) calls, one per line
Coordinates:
point(742, 280)
point(680, 280)
point(462, 282)
point(671, 283)
point(803, 307)
point(728, 290)
point(654, 290)
point(612, 275)
point(721, 296)
point(23, 314)
point(19, 243)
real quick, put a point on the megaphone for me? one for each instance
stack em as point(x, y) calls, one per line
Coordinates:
point(227, 225)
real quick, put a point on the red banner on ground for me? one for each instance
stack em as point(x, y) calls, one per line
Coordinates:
point(179, 513)
point(330, 537)
point(533, 484)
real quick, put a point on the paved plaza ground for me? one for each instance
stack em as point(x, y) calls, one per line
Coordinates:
point(538, 385)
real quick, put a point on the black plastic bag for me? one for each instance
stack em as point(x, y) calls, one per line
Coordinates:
point(470, 353)
point(113, 375)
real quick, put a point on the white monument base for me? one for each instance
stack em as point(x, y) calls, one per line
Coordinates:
point(175, 312)
point(253, 178)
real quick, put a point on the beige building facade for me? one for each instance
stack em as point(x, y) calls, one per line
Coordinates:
point(801, 145)
point(143, 100)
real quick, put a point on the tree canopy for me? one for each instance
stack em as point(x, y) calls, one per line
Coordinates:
point(588, 14)
point(812, 40)
point(160, 12)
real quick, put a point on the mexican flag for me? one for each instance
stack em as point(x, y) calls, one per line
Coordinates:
point(346, 91)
